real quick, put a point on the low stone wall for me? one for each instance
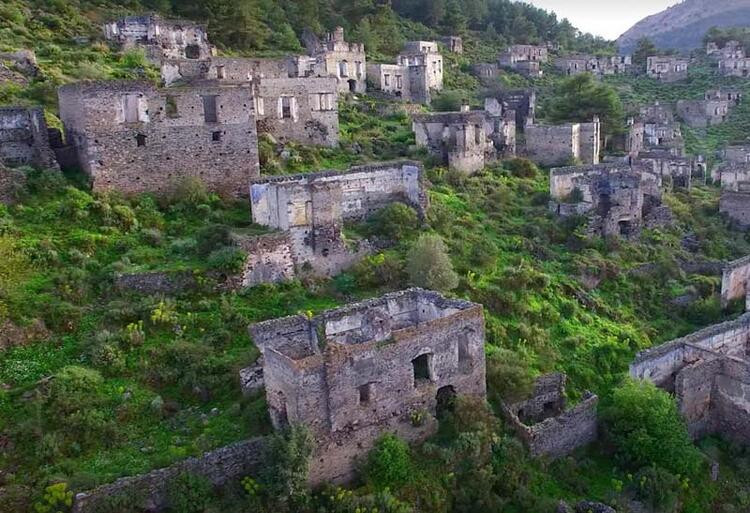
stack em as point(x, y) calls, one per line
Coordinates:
point(734, 280)
point(150, 492)
point(269, 259)
point(156, 282)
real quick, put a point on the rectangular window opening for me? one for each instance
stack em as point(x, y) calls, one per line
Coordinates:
point(421, 368)
point(216, 136)
point(365, 393)
point(209, 109)
point(170, 107)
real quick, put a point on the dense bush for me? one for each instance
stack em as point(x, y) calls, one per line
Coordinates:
point(429, 266)
point(396, 221)
point(389, 463)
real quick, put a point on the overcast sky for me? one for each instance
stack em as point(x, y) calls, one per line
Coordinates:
point(607, 18)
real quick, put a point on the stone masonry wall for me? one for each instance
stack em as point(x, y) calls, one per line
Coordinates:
point(24, 139)
point(150, 492)
point(734, 279)
point(269, 259)
point(549, 145)
point(132, 137)
point(736, 205)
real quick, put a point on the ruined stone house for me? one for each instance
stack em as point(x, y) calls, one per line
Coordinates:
point(417, 74)
point(709, 374)
point(486, 72)
point(521, 101)
point(667, 68)
point(334, 57)
point(133, 137)
point(555, 145)
point(524, 59)
point(24, 138)
point(544, 424)
point(454, 44)
point(735, 67)
point(312, 208)
point(731, 50)
point(161, 38)
point(704, 113)
point(226, 70)
point(673, 172)
point(661, 130)
point(389, 364)
point(598, 66)
point(468, 140)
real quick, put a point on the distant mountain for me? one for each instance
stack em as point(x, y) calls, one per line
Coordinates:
point(683, 26)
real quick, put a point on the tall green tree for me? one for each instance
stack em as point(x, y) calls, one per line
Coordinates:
point(644, 49)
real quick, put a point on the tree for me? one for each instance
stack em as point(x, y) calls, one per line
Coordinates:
point(644, 49)
point(389, 463)
point(429, 266)
point(645, 429)
point(580, 98)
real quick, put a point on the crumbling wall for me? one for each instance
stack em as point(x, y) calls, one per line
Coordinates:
point(590, 142)
point(132, 137)
point(703, 113)
point(731, 400)
point(736, 206)
point(734, 280)
point(552, 145)
point(694, 388)
point(269, 259)
point(24, 139)
point(150, 492)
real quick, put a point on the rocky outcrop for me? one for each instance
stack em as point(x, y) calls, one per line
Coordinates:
point(683, 26)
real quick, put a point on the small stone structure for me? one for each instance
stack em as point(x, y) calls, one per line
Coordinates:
point(524, 59)
point(736, 206)
point(133, 137)
point(661, 130)
point(673, 172)
point(732, 58)
point(150, 492)
point(312, 208)
point(24, 139)
point(618, 199)
point(731, 50)
point(734, 280)
point(545, 426)
point(713, 109)
point(709, 374)
point(522, 101)
point(417, 73)
point(468, 140)
point(269, 258)
point(598, 66)
point(161, 38)
point(390, 364)
point(667, 68)
point(454, 44)
point(555, 145)
point(334, 57)
point(224, 70)
point(486, 72)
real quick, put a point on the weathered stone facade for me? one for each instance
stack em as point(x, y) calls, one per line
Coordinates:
point(672, 171)
point(389, 364)
point(335, 57)
point(734, 170)
point(223, 70)
point(133, 137)
point(524, 59)
point(486, 72)
point(732, 58)
point(713, 109)
point(617, 198)
point(312, 208)
point(269, 258)
point(468, 140)
point(554, 145)
point(24, 139)
point(161, 38)
point(598, 66)
point(736, 206)
point(661, 130)
point(667, 68)
point(522, 101)
point(417, 73)
point(731, 50)
point(709, 373)
point(734, 280)
point(454, 44)
point(545, 426)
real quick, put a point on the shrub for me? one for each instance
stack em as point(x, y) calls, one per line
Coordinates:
point(389, 463)
point(508, 378)
point(190, 191)
point(108, 357)
point(212, 237)
point(74, 388)
point(449, 100)
point(189, 493)
point(286, 478)
point(657, 487)
point(56, 498)
point(229, 259)
point(429, 266)
point(395, 221)
point(645, 429)
point(383, 269)
point(522, 168)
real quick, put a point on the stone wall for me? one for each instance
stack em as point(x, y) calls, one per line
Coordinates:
point(132, 137)
point(225, 70)
point(703, 113)
point(734, 280)
point(383, 365)
point(544, 425)
point(11, 183)
point(302, 110)
point(269, 259)
point(667, 68)
point(150, 492)
point(24, 139)
point(338, 58)
point(552, 145)
point(156, 282)
point(736, 206)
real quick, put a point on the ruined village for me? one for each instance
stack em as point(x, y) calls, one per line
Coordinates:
point(305, 257)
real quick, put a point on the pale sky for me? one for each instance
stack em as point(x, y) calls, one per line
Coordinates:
point(606, 18)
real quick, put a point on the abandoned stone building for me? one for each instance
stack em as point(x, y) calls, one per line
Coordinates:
point(161, 38)
point(454, 44)
point(521, 101)
point(468, 140)
point(334, 57)
point(133, 137)
point(417, 73)
point(732, 58)
point(735, 277)
point(555, 145)
point(24, 139)
point(618, 198)
point(389, 364)
point(667, 68)
point(673, 172)
point(736, 206)
point(524, 59)
point(704, 113)
point(730, 50)
point(661, 130)
point(731, 95)
point(709, 374)
point(312, 208)
point(599, 66)
point(486, 72)
point(226, 70)
point(735, 67)
point(545, 426)
point(734, 171)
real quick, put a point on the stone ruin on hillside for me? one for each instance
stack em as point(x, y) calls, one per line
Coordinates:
point(524, 59)
point(667, 68)
point(596, 65)
point(618, 199)
point(389, 364)
point(735, 278)
point(545, 426)
point(709, 374)
point(565, 144)
point(416, 75)
point(734, 175)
